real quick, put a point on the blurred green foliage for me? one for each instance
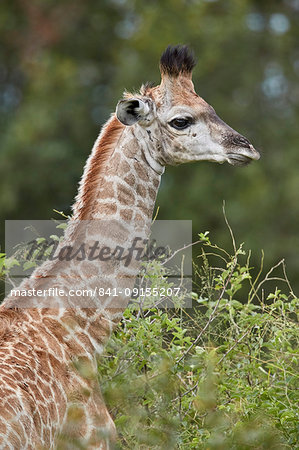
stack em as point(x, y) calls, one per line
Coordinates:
point(64, 65)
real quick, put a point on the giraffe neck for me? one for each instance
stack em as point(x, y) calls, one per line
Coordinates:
point(114, 206)
point(115, 202)
point(121, 178)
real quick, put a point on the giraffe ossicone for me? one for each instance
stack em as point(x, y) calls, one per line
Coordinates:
point(48, 386)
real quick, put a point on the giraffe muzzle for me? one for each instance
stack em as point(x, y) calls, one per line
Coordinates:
point(241, 152)
point(242, 157)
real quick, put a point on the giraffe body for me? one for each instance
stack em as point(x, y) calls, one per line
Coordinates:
point(49, 392)
point(41, 345)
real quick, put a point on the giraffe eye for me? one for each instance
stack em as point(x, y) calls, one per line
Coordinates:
point(180, 123)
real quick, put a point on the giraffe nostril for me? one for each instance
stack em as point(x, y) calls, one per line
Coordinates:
point(241, 141)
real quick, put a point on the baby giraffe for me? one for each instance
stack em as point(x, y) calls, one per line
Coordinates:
point(49, 395)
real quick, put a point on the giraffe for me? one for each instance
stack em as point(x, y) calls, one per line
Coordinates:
point(50, 396)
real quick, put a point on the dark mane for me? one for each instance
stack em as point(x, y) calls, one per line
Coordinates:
point(177, 60)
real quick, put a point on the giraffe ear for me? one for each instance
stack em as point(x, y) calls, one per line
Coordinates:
point(131, 111)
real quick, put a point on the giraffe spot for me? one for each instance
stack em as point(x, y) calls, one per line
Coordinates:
point(126, 214)
point(144, 209)
point(124, 168)
point(125, 195)
point(152, 193)
point(141, 190)
point(107, 208)
point(47, 393)
point(130, 179)
point(156, 183)
point(38, 396)
point(79, 345)
point(141, 172)
point(131, 148)
point(106, 190)
point(114, 231)
point(100, 330)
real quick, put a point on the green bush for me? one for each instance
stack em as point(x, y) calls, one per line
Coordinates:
point(221, 375)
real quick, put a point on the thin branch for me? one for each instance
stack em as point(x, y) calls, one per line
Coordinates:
point(235, 344)
point(268, 278)
point(229, 227)
point(179, 250)
point(256, 280)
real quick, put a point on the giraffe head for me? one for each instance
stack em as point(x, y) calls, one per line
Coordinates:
point(177, 124)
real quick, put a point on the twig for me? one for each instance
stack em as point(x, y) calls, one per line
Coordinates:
point(229, 227)
point(235, 344)
point(268, 278)
point(179, 250)
point(187, 392)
